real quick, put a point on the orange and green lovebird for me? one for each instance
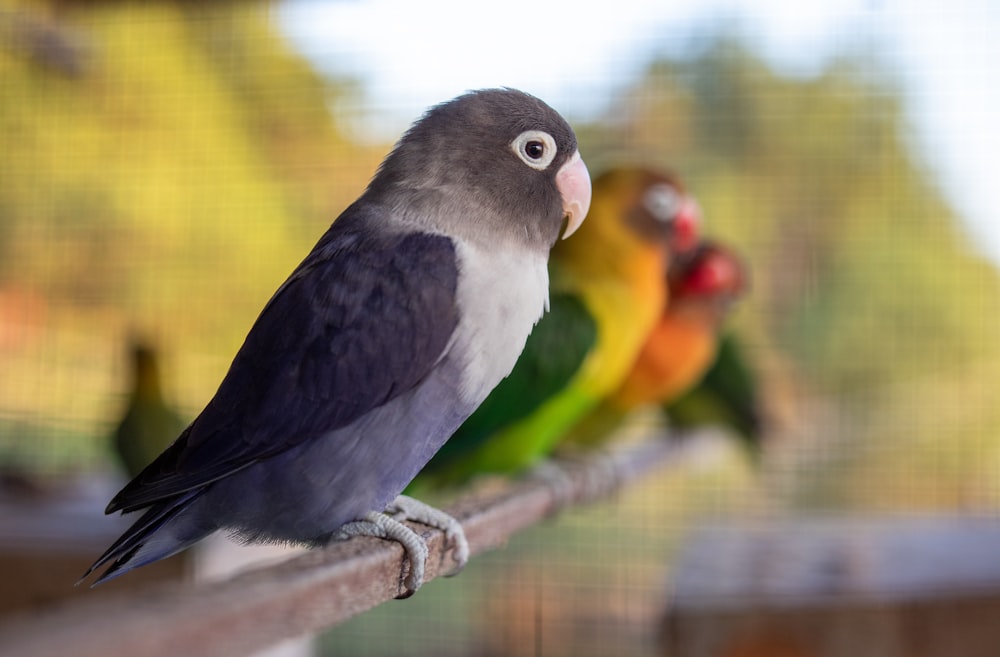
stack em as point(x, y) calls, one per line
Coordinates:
point(607, 292)
point(726, 397)
point(682, 345)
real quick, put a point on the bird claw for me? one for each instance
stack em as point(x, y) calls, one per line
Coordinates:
point(408, 508)
point(389, 526)
point(381, 525)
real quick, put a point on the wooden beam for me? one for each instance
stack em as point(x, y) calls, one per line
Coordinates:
point(320, 588)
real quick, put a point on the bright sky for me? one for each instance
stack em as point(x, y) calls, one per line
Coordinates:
point(410, 55)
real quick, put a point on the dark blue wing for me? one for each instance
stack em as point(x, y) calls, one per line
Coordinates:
point(363, 319)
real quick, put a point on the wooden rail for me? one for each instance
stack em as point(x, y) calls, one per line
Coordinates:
point(320, 588)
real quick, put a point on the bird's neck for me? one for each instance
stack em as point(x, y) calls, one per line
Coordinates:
point(622, 259)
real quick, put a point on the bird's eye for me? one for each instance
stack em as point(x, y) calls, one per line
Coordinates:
point(535, 148)
point(662, 201)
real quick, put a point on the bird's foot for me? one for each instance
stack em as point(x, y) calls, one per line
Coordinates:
point(381, 525)
point(597, 471)
point(603, 475)
point(558, 480)
point(408, 508)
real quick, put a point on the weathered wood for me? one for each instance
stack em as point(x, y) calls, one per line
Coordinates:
point(318, 589)
point(912, 586)
point(49, 534)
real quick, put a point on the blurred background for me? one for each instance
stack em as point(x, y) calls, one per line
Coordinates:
point(164, 166)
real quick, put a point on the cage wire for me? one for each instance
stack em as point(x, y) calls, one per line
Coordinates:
point(165, 165)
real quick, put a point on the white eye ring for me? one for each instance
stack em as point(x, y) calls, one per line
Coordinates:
point(527, 144)
point(662, 201)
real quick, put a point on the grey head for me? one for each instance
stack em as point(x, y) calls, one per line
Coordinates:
point(490, 166)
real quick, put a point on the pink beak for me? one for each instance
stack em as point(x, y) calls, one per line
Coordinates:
point(573, 181)
point(687, 226)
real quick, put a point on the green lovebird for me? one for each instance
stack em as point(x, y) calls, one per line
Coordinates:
point(149, 424)
point(607, 291)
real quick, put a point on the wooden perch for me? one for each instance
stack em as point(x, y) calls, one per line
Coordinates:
point(320, 588)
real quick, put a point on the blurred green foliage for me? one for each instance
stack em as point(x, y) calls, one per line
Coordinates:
point(194, 144)
point(861, 271)
point(165, 183)
point(871, 312)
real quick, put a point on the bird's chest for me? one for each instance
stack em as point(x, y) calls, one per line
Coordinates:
point(626, 312)
point(501, 295)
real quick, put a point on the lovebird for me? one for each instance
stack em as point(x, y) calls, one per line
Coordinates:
point(726, 397)
point(703, 287)
point(412, 306)
point(608, 291)
point(149, 424)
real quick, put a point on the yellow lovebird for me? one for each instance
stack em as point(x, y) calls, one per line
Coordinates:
point(607, 292)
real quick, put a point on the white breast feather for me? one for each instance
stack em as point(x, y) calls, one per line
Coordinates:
point(501, 295)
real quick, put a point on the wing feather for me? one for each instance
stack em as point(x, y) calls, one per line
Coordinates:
point(362, 320)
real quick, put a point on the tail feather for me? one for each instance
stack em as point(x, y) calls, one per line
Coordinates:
point(160, 532)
